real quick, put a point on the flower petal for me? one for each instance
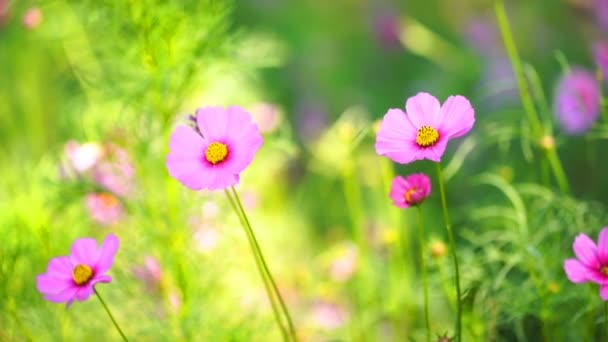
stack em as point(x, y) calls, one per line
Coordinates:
point(60, 267)
point(185, 141)
point(66, 295)
point(604, 292)
point(84, 292)
point(397, 193)
point(602, 246)
point(457, 117)
point(586, 251)
point(221, 181)
point(436, 151)
point(396, 138)
point(576, 272)
point(423, 109)
point(84, 251)
point(50, 285)
point(108, 249)
point(190, 172)
point(100, 279)
point(212, 122)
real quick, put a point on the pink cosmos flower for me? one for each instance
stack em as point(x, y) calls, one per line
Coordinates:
point(72, 277)
point(344, 265)
point(115, 171)
point(104, 208)
point(577, 101)
point(213, 159)
point(423, 131)
point(32, 18)
point(411, 190)
point(82, 157)
point(600, 8)
point(600, 54)
point(591, 263)
point(267, 116)
point(386, 29)
point(150, 273)
point(328, 315)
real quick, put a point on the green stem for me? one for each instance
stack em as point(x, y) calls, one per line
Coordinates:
point(452, 244)
point(603, 105)
point(524, 92)
point(267, 286)
point(110, 314)
point(256, 246)
point(425, 283)
point(605, 321)
point(507, 37)
point(558, 171)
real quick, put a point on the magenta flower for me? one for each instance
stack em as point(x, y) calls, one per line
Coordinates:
point(600, 54)
point(213, 159)
point(600, 8)
point(104, 208)
point(424, 131)
point(72, 277)
point(150, 273)
point(411, 190)
point(32, 18)
point(591, 263)
point(115, 171)
point(386, 29)
point(577, 101)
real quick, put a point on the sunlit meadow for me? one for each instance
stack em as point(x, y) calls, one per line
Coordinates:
point(266, 170)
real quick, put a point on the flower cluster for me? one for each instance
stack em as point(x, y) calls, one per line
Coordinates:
point(108, 170)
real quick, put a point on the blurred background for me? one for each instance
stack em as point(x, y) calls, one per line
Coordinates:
point(91, 90)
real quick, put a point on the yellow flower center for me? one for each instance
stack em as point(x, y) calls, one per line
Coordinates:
point(427, 136)
point(108, 199)
point(408, 195)
point(82, 274)
point(604, 270)
point(216, 152)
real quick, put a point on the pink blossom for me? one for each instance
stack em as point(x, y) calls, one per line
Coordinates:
point(344, 265)
point(577, 101)
point(82, 157)
point(4, 12)
point(591, 263)
point(104, 208)
point(150, 273)
point(206, 238)
point(411, 190)
point(600, 54)
point(32, 18)
point(328, 315)
point(73, 277)
point(423, 131)
point(387, 29)
point(267, 116)
point(115, 171)
point(601, 11)
point(213, 159)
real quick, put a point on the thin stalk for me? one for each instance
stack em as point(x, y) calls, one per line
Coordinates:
point(603, 105)
point(425, 283)
point(267, 286)
point(558, 170)
point(452, 243)
point(292, 330)
point(110, 314)
point(524, 92)
point(507, 37)
point(354, 205)
point(605, 321)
